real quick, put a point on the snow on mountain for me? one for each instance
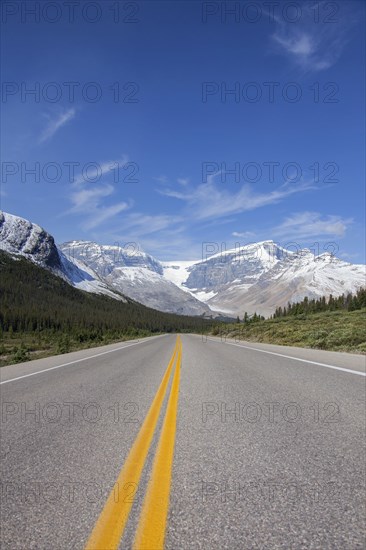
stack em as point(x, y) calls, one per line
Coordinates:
point(178, 272)
point(136, 275)
point(19, 237)
point(256, 277)
point(208, 278)
point(103, 259)
point(262, 276)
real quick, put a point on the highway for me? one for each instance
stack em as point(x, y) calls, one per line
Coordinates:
point(183, 442)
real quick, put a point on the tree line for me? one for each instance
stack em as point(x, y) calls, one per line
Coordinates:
point(33, 300)
point(346, 302)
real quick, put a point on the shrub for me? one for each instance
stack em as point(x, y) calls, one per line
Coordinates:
point(20, 354)
point(63, 345)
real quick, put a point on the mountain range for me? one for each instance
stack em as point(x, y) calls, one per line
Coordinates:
point(256, 277)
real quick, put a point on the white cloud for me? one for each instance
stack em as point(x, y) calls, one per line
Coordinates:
point(308, 51)
point(165, 181)
point(312, 224)
point(243, 235)
point(314, 46)
point(143, 224)
point(101, 169)
point(183, 181)
point(302, 44)
point(104, 213)
point(162, 235)
point(161, 179)
point(55, 124)
point(83, 199)
point(89, 202)
point(208, 201)
point(88, 198)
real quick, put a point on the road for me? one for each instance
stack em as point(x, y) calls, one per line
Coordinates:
point(184, 443)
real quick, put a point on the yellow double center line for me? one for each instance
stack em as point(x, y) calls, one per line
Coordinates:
point(150, 533)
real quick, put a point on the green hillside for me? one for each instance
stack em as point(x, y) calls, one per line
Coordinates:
point(338, 330)
point(40, 314)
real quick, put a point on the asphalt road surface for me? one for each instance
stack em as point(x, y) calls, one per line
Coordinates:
point(184, 443)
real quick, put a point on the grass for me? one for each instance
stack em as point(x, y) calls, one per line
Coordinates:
point(18, 348)
point(329, 330)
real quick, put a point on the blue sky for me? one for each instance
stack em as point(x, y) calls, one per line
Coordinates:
point(148, 145)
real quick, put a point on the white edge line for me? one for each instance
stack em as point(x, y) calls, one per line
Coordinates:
point(294, 358)
point(76, 361)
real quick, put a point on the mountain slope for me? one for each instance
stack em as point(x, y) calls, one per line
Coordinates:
point(19, 237)
point(257, 277)
point(43, 313)
point(262, 276)
point(136, 275)
point(108, 270)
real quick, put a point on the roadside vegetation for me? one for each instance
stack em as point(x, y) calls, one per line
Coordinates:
point(337, 324)
point(42, 315)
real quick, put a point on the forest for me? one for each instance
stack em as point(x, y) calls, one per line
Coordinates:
point(40, 311)
point(345, 302)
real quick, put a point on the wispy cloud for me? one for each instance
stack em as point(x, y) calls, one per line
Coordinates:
point(54, 124)
point(243, 235)
point(207, 201)
point(162, 235)
point(165, 181)
point(143, 224)
point(161, 179)
point(102, 169)
point(311, 52)
point(89, 201)
point(314, 45)
point(92, 198)
point(183, 181)
point(303, 225)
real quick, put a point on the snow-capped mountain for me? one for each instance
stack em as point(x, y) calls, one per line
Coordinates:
point(103, 259)
point(19, 237)
point(262, 276)
point(136, 275)
point(257, 277)
point(108, 270)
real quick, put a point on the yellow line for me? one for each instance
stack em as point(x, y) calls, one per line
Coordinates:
point(111, 523)
point(152, 525)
